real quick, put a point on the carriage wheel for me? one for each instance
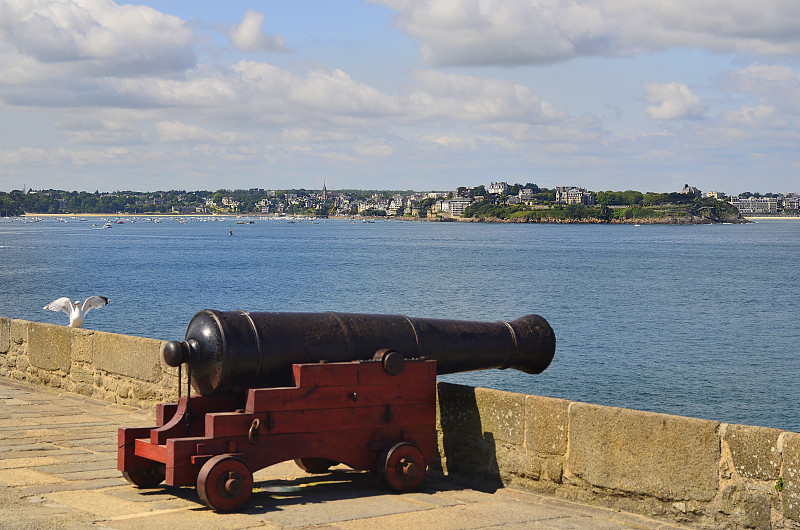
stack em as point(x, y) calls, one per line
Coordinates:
point(402, 466)
point(224, 483)
point(314, 465)
point(146, 478)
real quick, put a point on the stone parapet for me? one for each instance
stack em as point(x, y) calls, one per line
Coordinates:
point(696, 472)
point(116, 368)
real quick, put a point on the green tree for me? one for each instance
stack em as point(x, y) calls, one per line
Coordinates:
point(425, 206)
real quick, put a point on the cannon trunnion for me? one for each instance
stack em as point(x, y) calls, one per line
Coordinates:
point(320, 389)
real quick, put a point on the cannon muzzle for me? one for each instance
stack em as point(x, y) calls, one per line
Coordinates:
point(231, 351)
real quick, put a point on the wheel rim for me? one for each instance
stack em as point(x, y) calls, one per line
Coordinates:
point(224, 483)
point(403, 467)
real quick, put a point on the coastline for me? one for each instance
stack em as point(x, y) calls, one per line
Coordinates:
point(771, 217)
point(118, 215)
point(649, 221)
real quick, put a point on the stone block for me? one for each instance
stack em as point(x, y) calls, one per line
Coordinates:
point(754, 451)
point(512, 460)
point(546, 425)
point(82, 374)
point(19, 332)
point(543, 468)
point(471, 460)
point(751, 509)
point(145, 392)
point(129, 356)
point(464, 448)
point(82, 345)
point(668, 457)
point(790, 473)
point(457, 410)
point(502, 414)
point(5, 334)
point(50, 346)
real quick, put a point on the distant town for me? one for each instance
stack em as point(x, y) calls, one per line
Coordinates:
point(498, 201)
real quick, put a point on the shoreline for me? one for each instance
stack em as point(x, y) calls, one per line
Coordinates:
point(117, 215)
point(745, 218)
point(771, 217)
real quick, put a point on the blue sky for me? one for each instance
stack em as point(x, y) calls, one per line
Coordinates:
point(400, 94)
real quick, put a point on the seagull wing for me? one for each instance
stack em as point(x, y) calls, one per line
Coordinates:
point(62, 304)
point(93, 302)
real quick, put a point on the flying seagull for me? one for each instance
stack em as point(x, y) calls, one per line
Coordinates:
point(75, 310)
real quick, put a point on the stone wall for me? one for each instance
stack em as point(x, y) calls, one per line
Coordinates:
point(116, 368)
point(697, 472)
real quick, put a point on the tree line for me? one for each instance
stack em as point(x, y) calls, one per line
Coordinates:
point(610, 205)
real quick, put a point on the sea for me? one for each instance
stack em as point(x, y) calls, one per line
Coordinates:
point(700, 321)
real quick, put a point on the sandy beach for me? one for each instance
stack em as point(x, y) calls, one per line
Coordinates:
point(772, 217)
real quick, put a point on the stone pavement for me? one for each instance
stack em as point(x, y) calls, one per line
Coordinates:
point(58, 470)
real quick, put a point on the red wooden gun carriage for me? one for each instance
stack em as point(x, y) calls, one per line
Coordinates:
point(319, 389)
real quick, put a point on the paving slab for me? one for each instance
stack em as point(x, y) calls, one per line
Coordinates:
point(58, 470)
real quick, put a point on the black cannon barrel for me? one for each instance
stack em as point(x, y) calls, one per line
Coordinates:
point(232, 351)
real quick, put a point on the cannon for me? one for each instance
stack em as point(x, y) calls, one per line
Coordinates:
point(317, 388)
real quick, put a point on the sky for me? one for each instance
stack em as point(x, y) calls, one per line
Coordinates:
point(400, 94)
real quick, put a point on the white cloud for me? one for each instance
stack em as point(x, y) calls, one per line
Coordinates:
point(175, 131)
point(303, 135)
point(675, 101)
point(250, 37)
point(778, 85)
point(24, 156)
point(336, 92)
point(474, 100)
point(374, 149)
point(565, 148)
point(451, 141)
point(514, 32)
point(456, 143)
point(95, 37)
point(750, 116)
point(199, 88)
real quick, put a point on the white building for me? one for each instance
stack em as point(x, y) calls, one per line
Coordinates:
point(756, 204)
point(455, 206)
point(791, 201)
point(498, 188)
point(231, 203)
point(573, 195)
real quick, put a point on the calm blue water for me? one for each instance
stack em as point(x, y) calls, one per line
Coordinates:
point(698, 321)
